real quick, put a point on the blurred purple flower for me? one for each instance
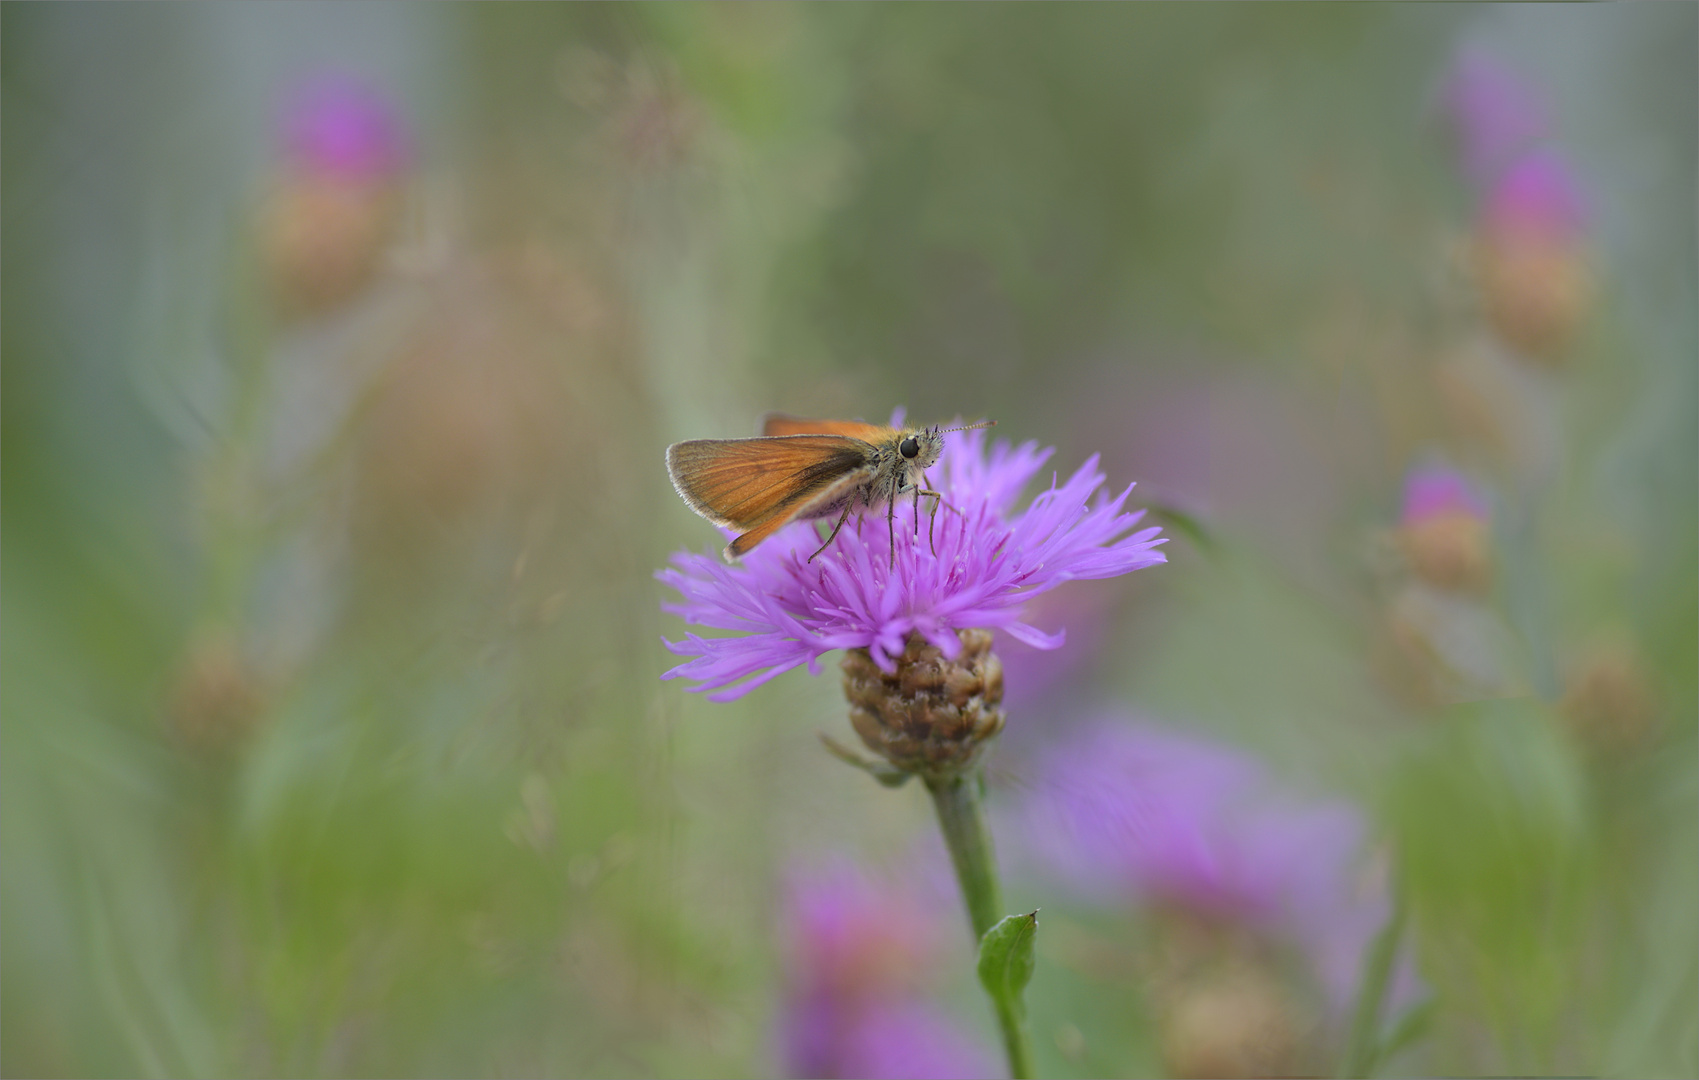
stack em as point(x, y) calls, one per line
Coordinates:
point(1134, 814)
point(859, 954)
point(1432, 491)
point(1534, 272)
point(1033, 675)
point(1538, 194)
point(847, 931)
point(1534, 276)
point(1496, 116)
point(990, 560)
point(337, 126)
point(896, 1038)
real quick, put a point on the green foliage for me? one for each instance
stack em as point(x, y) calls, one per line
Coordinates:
point(1491, 821)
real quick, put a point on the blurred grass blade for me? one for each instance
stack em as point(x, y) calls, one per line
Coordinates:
point(1410, 1027)
point(1362, 1050)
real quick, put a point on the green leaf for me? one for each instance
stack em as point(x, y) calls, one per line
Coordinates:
point(1006, 960)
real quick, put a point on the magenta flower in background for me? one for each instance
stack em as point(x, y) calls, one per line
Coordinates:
point(1532, 269)
point(1132, 814)
point(1532, 265)
point(859, 957)
point(1432, 491)
point(990, 559)
point(337, 126)
point(334, 205)
point(1495, 115)
point(1032, 676)
point(1504, 143)
point(1537, 195)
point(848, 933)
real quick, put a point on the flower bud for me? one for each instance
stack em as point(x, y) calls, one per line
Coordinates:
point(1530, 259)
point(1443, 532)
point(1609, 704)
point(331, 214)
point(1450, 551)
point(1537, 290)
point(932, 715)
point(323, 240)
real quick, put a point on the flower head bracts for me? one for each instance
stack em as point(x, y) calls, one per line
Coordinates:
point(981, 562)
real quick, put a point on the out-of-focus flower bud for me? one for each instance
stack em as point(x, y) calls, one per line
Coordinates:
point(323, 240)
point(1610, 704)
point(216, 698)
point(931, 716)
point(332, 209)
point(1232, 1021)
point(1444, 532)
point(1443, 645)
point(1531, 261)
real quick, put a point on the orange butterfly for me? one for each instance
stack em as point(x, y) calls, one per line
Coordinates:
point(804, 469)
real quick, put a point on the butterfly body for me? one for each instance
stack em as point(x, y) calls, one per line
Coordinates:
point(801, 470)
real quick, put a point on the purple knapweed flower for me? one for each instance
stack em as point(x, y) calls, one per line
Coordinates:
point(1538, 195)
point(337, 126)
point(1495, 115)
point(1531, 219)
point(1531, 260)
point(334, 204)
point(859, 955)
point(1134, 815)
point(1432, 491)
point(972, 566)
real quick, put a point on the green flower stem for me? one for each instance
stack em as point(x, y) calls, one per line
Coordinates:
point(969, 841)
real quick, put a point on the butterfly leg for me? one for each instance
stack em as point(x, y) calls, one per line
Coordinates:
point(931, 522)
point(891, 526)
point(848, 506)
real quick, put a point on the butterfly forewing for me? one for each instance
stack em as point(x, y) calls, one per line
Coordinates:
point(746, 483)
point(843, 489)
point(780, 424)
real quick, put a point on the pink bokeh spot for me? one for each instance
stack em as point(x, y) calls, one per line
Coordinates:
point(1538, 194)
point(1432, 490)
point(337, 125)
point(1495, 115)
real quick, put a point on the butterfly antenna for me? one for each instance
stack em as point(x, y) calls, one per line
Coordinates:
point(970, 427)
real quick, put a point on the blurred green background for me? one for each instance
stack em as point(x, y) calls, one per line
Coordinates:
point(333, 738)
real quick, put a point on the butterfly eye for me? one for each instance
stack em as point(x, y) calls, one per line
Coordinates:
point(909, 447)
